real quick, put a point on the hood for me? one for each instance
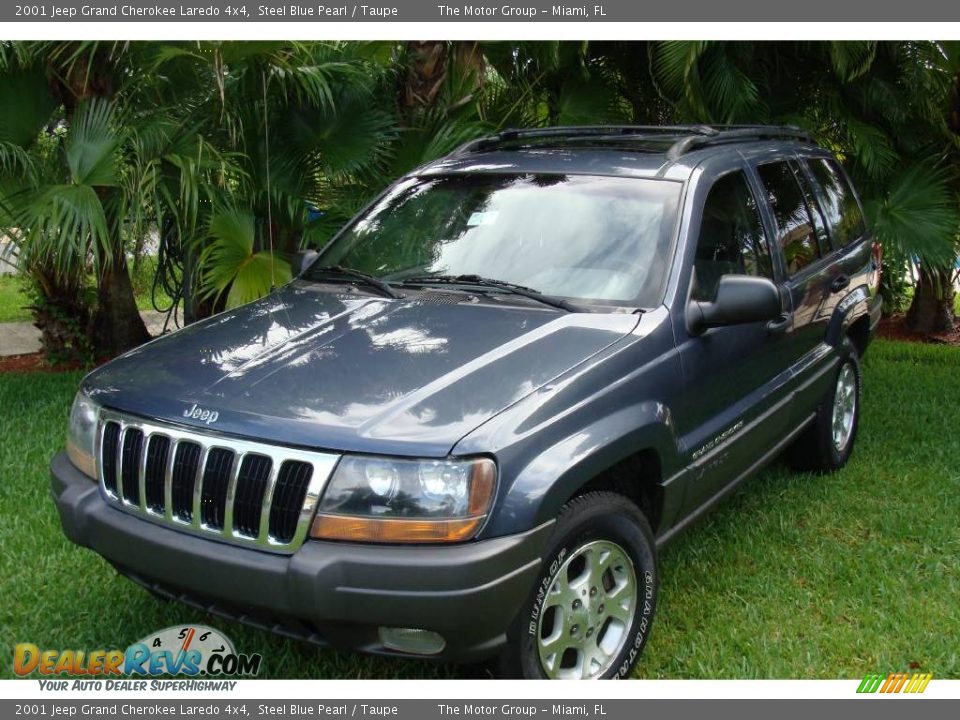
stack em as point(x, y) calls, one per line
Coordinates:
point(343, 371)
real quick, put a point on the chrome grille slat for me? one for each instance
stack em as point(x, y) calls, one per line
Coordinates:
point(142, 471)
point(165, 451)
point(121, 440)
point(168, 481)
point(263, 536)
point(231, 493)
point(196, 517)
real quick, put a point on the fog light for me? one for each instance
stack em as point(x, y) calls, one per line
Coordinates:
point(412, 640)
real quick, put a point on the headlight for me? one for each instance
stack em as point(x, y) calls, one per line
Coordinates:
point(82, 434)
point(389, 500)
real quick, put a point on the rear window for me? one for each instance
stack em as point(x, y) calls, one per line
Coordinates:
point(839, 203)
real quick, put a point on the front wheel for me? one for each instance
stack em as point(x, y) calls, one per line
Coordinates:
point(591, 610)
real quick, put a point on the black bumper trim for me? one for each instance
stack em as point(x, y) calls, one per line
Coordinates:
point(338, 593)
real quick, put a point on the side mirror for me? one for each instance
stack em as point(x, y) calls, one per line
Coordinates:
point(302, 260)
point(740, 299)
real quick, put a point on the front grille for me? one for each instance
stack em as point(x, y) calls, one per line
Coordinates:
point(237, 491)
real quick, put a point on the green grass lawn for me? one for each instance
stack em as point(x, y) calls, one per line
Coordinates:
point(13, 299)
point(795, 576)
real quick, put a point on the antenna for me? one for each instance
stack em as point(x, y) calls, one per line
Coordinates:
point(266, 141)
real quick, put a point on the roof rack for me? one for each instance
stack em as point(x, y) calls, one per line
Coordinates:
point(685, 138)
point(571, 132)
point(737, 133)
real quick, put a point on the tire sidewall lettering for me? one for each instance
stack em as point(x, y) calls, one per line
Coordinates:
point(642, 619)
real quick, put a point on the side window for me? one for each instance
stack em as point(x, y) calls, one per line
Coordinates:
point(731, 236)
point(839, 204)
point(795, 230)
point(819, 223)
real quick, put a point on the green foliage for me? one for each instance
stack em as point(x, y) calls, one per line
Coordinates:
point(301, 134)
point(232, 265)
point(27, 105)
point(917, 215)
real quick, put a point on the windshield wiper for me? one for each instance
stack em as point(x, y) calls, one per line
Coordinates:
point(348, 274)
point(512, 288)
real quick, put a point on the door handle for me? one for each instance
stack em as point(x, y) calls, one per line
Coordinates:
point(840, 282)
point(780, 324)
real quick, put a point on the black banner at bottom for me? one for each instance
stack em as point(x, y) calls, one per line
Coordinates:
point(873, 707)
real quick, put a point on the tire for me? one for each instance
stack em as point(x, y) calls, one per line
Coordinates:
point(819, 449)
point(586, 624)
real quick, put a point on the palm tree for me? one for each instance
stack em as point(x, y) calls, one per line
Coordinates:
point(303, 124)
point(105, 162)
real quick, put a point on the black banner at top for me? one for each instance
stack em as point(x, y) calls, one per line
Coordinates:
point(73, 11)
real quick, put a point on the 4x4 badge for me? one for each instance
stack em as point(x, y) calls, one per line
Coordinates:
point(198, 413)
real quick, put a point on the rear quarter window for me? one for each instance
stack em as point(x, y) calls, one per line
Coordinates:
point(839, 203)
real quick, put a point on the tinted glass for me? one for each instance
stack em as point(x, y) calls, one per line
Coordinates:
point(839, 204)
point(795, 232)
point(819, 223)
point(592, 238)
point(731, 236)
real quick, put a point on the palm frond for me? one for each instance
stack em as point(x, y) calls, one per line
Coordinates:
point(851, 59)
point(230, 263)
point(92, 145)
point(918, 215)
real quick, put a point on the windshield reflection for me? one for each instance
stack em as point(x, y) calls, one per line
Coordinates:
point(583, 237)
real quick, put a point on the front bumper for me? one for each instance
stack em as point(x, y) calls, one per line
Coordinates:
point(326, 592)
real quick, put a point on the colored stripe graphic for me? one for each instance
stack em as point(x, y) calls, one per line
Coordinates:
point(870, 683)
point(895, 683)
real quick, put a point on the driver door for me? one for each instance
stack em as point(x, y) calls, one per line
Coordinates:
point(730, 413)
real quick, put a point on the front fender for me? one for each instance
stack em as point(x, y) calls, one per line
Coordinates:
point(540, 488)
point(562, 435)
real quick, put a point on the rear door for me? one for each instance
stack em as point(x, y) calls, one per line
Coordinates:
point(813, 278)
point(803, 243)
point(852, 264)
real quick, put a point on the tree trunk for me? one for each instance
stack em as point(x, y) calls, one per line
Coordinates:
point(932, 308)
point(426, 72)
point(118, 325)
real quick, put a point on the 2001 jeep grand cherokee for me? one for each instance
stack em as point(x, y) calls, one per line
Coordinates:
point(466, 427)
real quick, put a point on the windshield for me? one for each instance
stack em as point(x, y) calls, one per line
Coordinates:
point(593, 238)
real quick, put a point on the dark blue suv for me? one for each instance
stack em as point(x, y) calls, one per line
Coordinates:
point(466, 428)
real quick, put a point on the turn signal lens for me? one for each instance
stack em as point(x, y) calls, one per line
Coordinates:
point(357, 529)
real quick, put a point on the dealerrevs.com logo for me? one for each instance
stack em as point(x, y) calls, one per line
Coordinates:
point(179, 650)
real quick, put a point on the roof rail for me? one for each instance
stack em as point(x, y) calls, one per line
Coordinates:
point(686, 138)
point(736, 133)
point(570, 132)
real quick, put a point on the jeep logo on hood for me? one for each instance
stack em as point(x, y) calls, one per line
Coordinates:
point(198, 413)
